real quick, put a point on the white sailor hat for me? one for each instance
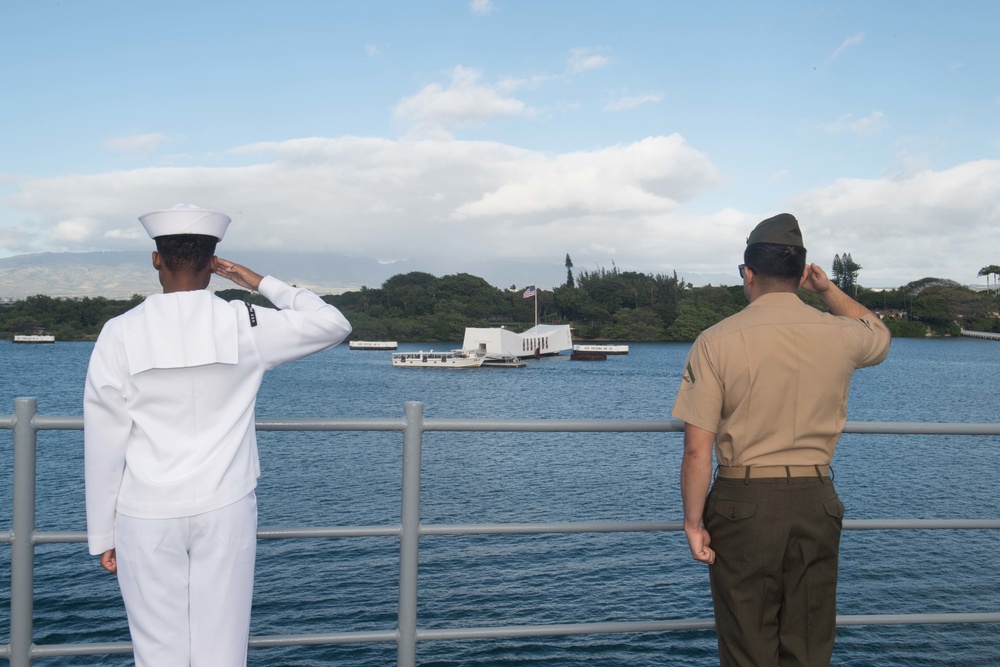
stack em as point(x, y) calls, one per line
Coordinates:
point(185, 219)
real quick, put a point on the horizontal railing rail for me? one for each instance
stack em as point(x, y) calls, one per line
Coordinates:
point(25, 423)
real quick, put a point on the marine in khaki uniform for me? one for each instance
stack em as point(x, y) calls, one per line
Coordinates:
point(766, 389)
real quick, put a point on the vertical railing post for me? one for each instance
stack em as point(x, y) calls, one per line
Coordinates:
point(22, 552)
point(409, 538)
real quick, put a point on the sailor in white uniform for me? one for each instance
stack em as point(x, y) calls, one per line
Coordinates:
point(171, 451)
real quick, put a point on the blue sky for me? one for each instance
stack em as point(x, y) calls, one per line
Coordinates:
point(650, 134)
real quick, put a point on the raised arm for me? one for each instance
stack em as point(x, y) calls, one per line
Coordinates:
point(238, 273)
point(814, 279)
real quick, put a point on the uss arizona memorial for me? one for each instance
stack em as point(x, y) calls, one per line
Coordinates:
point(540, 340)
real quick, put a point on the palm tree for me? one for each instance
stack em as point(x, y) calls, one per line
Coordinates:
point(991, 270)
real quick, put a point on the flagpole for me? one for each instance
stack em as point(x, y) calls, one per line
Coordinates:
point(536, 306)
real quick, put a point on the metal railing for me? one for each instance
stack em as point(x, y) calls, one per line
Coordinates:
point(25, 423)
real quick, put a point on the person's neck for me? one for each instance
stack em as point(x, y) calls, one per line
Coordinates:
point(781, 290)
point(184, 282)
point(181, 288)
point(185, 278)
point(775, 288)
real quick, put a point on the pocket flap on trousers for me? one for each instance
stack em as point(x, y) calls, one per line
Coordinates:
point(834, 508)
point(735, 510)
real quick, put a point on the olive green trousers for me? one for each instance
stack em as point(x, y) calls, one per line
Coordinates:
point(774, 580)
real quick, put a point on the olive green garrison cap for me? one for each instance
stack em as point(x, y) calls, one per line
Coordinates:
point(782, 228)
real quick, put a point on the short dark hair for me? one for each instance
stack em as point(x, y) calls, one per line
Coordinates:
point(186, 252)
point(776, 262)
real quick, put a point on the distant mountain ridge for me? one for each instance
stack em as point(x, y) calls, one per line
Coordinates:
point(119, 275)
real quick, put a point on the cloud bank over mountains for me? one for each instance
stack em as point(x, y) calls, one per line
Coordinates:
point(450, 151)
point(427, 201)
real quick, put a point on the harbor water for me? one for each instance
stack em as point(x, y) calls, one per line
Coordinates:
point(351, 479)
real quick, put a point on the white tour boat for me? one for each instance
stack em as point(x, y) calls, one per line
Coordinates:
point(605, 349)
point(372, 344)
point(455, 359)
point(34, 338)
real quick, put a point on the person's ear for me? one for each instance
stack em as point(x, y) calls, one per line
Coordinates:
point(805, 276)
point(213, 264)
point(157, 260)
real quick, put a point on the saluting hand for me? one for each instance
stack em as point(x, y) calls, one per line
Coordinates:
point(239, 274)
point(814, 279)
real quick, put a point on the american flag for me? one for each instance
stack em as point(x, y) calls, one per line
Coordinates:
point(529, 292)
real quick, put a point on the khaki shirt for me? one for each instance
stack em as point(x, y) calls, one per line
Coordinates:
point(772, 380)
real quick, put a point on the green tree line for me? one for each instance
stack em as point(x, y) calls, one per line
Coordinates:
point(66, 319)
point(599, 305)
point(934, 306)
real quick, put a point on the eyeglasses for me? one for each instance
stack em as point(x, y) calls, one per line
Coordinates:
point(742, 268)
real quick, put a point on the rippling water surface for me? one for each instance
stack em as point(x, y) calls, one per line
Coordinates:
point(348, 479)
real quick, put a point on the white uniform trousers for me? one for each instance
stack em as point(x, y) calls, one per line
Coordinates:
point(187, 584)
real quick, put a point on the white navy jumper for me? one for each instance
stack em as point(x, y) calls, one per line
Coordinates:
point(170, 444)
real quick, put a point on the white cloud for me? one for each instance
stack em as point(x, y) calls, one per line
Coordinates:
point(14, 239)
point(853, 40)
point(910, 165)
point(482, 6)
point(646, 205)
point(627, 103)
point(372, 51)
point(380, 198)
point(509, 84)
point(863, 127)
point(928, 223)
point(137, 143)
point(465, 101)
point(648, 176)
point(76, 230)
point(130, 234)
point(581, 60)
